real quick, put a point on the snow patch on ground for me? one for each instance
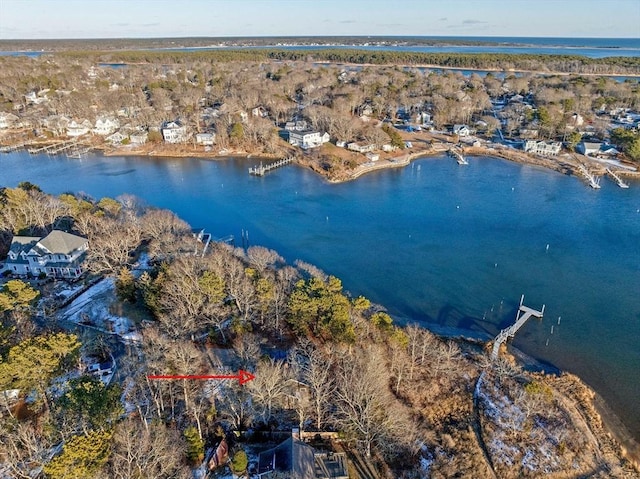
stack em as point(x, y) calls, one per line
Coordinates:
point(91, 308)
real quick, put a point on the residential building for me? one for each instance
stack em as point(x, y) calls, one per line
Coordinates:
point(302, 461)
point(207, 139)
point(56, 124)
point(461, 130)
point(372, 157)
point(57, 255)
point(116, 138)
point(588, 148)
point(260, 112)
point(361, 148)
point(105, 126)
point(307, 139)
point(174, 132)
point(75, 129)
point(543, 148)
point(298, 125)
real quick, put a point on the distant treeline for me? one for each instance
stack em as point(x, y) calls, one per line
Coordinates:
point(482, 61)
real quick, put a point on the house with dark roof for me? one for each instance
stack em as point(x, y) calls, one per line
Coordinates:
point(57, 255)
point(302, 461)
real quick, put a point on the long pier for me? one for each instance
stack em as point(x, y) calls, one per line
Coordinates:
point(54, 148)
point(260, 170)
point(613, 175)
point(458, 156)
point(594, 181)
point(523, 314)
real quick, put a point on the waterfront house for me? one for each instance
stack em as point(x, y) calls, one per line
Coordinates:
point(588, 148)
point(461, 130)
point(361, 148)
point(115, 139)
point(372, 157)
point(174, 132)
point(57, 255)
point(206, 139)
point(105, 126)
point(307, 139)
point(56, 124)
point(75, 129)
point(543, 148)
point(597, 149)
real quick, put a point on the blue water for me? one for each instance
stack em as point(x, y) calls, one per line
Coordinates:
point(589, 47)
point(436, 243)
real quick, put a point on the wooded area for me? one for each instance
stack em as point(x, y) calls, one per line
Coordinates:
point(323, 359)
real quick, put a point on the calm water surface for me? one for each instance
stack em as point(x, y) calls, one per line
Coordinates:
point(436, 243)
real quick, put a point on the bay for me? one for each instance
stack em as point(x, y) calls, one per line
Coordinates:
point(445, 246)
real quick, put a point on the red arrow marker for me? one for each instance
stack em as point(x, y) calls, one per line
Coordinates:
point(242, 376)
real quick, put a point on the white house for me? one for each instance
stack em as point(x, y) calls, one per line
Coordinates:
point(423, 118)
point(207, 139)
point(361, 148)
point(543, 148)
point(372, 157)
point(461, 130)
point(116, 138)
point(105, 126)
point(75, 129)
point(57, 255)
point(174, 132)
point(299, 125)
point(307, 139)
point(259, 112)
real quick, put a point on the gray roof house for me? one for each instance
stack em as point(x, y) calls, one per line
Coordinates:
point(302, 461)
point(57, 255)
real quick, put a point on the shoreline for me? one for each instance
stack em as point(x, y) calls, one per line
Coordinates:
point(602, 421)
point(614, 425)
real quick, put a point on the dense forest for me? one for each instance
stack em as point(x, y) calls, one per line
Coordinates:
point(408, 402)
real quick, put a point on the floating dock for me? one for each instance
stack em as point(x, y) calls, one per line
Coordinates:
point(260, 170)
point(458, 156)
point(523, 314)
point(594, 181)
point(617, 178)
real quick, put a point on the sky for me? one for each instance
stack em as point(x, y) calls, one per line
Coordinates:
point(34, 19)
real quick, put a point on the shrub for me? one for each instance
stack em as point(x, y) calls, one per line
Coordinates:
point(239, 462)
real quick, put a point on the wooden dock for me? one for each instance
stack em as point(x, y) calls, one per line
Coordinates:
point(260, 170)
point(594, 181)
point(523, 314)
point(458, 156)
point(54, 148)
point(618, 180)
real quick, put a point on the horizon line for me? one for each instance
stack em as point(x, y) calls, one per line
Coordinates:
point(315, 36)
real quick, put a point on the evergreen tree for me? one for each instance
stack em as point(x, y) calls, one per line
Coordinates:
point(82, 456)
